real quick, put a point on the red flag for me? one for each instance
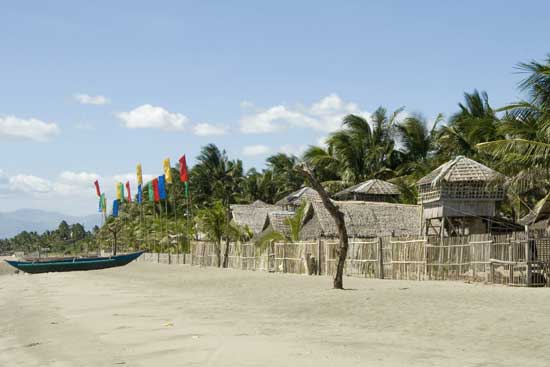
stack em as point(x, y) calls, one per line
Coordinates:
point(156, 189)
point(128, 191)
point(97, 190)
point(183, 169)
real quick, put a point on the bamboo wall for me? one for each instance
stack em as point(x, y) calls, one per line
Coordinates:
point(502, 259)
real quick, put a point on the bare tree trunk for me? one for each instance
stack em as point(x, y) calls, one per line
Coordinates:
point(338, 216)
point(226, 251)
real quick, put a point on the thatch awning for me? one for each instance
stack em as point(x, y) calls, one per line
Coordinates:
point(251, 215)
point(364, 219)
point(295, 198)
point(278, 221)
point(370, 187)
point(460, 169)
point(540, 212)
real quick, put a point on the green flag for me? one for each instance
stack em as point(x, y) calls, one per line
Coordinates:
point(150, 191)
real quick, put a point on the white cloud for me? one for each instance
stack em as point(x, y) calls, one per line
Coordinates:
point(30, 184)
point(33, 129)
point(152, 117)
point(255, 150)
point(296, 150)
point(205, 129)
point(79, 178)
point(87, 99)
point(324, 115)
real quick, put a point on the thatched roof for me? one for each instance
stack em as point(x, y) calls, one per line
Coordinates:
point(370, 187)
point(540, 212)
point(305, 193)
point(364, 219)
point(459, 169)
point(252, 215)
point(277, 221)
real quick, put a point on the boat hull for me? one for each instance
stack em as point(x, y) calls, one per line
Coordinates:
point(75, 264)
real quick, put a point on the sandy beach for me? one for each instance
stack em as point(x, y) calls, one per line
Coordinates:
point(159, 315)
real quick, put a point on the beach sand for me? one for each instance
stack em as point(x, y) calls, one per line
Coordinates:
point(159, 315)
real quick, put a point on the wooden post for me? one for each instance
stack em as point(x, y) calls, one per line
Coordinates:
point(528, 256)
point(319, 256)
point(380, 259)
point(284, 257)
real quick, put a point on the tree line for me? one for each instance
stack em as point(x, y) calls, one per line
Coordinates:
point(66, 239)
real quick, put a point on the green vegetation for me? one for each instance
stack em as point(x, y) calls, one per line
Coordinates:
point(513, 139)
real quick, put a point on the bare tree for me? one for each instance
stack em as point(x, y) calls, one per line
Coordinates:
point(338, 216)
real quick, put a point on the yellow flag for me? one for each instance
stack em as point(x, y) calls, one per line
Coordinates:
point(167, 170)
point(139, 175)
point(119, 191)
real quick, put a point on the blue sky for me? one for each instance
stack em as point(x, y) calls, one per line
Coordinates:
point(89, 89)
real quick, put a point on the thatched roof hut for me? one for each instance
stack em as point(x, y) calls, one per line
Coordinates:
point(460, 196)
point(295, 199)
point(277, 221)
point(363, 220)
point(371, 190)
point(253, 216)
point(459, 188)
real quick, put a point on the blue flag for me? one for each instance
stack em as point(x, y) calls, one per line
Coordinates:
point(115, 208)
point(139, 195)
point(100, 207)
point(162, 188)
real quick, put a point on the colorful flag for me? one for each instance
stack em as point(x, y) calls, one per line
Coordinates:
point(162, 187)
point(186, 187)
point(103, 203)
point(100, 206)
point(183, 169)
point(150, 191)
point(156, 189)
point(139, 175)
point(139, 194)
point(128, 191)
point(120, 191)
point(115, 208)
point(167, 170)
point(97, 190)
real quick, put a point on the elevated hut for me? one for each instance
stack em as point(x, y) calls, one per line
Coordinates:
point(253, 216)
point(292, 201)
point(363, 220)
point(371, 190)
point(460, 197)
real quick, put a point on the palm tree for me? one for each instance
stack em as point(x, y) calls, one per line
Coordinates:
point(284, 177)
point(524, 148)
point(475, 123)
point(365, 151)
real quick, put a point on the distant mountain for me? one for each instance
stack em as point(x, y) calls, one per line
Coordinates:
point(11, 223)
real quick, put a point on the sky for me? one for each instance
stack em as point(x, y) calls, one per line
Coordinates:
point(89, 89)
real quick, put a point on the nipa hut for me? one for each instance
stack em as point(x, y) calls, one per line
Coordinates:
point(363, 220)
point(277, 221)
point(459, 197)
point(253, 216)
point(371, 190)
point(292, 201)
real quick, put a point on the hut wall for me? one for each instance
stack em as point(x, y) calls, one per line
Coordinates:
point(459, 208)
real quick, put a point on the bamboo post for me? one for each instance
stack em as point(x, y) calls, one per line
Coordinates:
point(528, 256)
point(380, 259)
point(318, 256)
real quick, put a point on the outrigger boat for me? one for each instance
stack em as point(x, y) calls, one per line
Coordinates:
point(74, 264)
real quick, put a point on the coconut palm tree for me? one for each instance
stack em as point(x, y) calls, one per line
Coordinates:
point(476, 122)
point(524, 147)
point(364, 149)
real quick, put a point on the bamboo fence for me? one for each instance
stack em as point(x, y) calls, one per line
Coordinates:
point(509, 259)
